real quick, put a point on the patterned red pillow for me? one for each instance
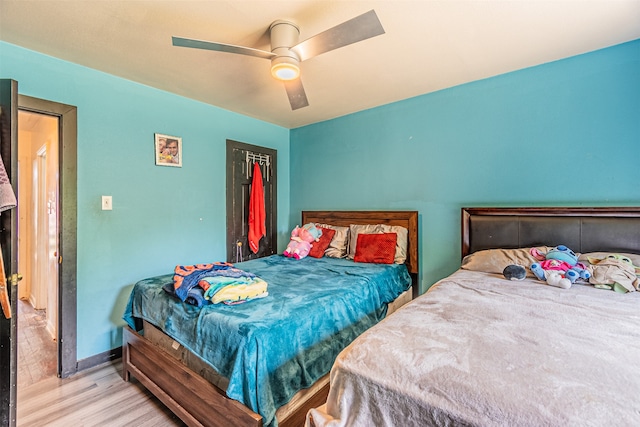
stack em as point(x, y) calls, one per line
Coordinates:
point(318, 248)
point(377, 248)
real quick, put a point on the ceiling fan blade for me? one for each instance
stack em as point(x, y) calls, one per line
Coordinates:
point(221, 47)
point(296, 94)
point(354, 30)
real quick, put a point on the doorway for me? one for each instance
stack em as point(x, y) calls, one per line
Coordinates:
point(10, 104)
point(38, 195)
point(60, 212)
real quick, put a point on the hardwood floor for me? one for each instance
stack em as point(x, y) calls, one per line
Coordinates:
point(94, 397)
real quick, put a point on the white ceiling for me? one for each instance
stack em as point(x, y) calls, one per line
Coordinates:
point(428, 45)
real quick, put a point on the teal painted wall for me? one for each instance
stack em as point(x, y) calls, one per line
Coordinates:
point(563, 133)
point(161, 216)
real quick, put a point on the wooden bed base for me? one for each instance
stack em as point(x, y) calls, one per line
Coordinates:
point(192, 398)
point(198, 402)
point(189, 396)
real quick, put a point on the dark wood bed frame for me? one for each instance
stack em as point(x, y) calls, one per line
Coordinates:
point(198, 402)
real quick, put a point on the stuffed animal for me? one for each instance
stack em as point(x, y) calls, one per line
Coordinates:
point(558, 280)
point(562, 262)
point(615, 271)
point(514, 272)
point(301, 240)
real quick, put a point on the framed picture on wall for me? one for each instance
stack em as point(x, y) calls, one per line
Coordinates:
point(168, 150)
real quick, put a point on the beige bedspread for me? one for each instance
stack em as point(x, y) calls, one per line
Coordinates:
point(480, 350)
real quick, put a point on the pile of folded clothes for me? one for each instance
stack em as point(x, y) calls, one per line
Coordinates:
point(218, 282)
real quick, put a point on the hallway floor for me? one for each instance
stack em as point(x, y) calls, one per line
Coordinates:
point(37, 350)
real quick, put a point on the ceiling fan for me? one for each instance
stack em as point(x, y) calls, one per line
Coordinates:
point(286, 53)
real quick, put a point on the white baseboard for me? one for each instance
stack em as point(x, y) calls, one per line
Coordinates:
point(51, 329)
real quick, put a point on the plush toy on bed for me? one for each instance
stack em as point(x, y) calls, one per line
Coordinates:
point(514, 272)
point(558, 267)
point(301, 241)
point(615, 271)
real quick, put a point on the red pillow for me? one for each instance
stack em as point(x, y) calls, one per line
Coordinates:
point(318, 248)
point(376, 248)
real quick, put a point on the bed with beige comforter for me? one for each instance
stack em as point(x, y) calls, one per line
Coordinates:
point(479, 350)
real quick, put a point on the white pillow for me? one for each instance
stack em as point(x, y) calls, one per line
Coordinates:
point(354, 230)
point(401, 241)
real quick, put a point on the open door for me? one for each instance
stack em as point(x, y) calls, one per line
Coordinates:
point(9, 244)
point(10, 101)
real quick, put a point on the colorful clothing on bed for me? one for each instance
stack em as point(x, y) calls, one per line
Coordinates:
point(195, 296)
point(230, 290)
point(185, 277)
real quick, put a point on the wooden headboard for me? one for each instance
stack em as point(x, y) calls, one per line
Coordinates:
point(406, 219)
point(583, 229)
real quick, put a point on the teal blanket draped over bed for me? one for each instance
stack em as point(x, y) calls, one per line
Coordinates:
point(271, 348)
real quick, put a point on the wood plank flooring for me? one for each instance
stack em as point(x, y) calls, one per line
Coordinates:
point(94, 397)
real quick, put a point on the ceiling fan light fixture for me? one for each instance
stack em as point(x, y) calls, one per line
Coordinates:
point(285, 68)
point(285, 71)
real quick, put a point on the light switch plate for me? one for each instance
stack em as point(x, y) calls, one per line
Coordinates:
point(107, 203)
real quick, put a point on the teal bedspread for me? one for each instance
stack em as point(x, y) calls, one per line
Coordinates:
point(271, 348)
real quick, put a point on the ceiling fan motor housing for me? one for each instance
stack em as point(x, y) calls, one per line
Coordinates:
point(284, 35)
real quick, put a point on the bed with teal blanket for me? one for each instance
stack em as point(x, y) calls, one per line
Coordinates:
point(268, 349)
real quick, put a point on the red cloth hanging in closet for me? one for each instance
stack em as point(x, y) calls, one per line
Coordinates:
point(257, 215)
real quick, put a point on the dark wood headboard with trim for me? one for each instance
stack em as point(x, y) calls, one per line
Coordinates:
point(406, 219)
point(583, 229)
